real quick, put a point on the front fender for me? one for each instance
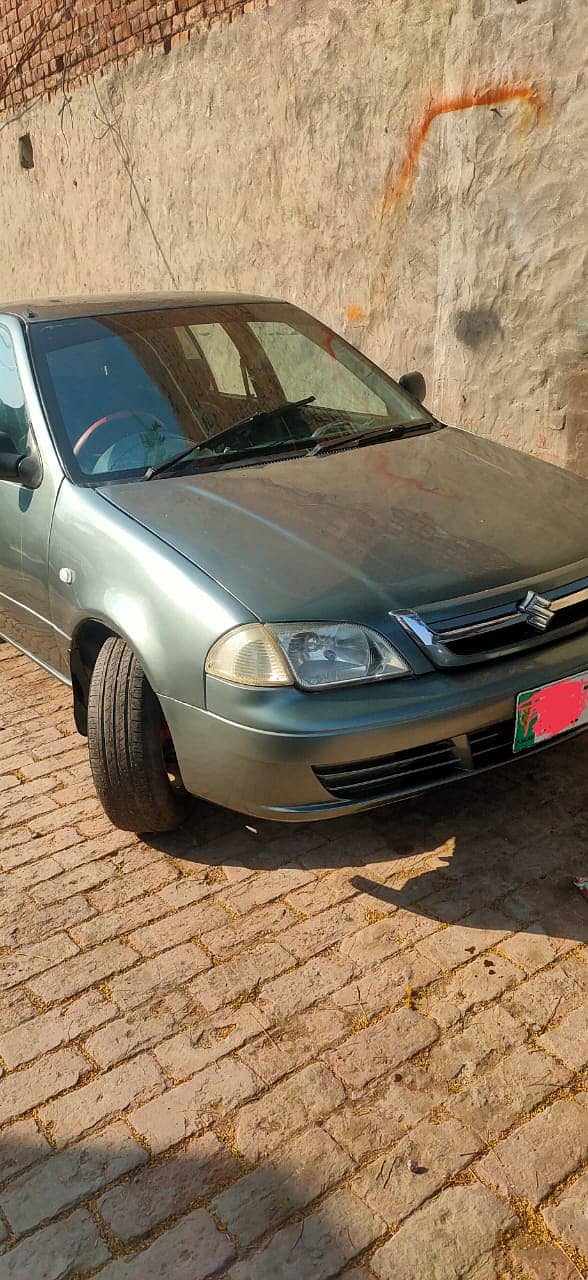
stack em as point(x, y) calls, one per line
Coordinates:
point(167, 609)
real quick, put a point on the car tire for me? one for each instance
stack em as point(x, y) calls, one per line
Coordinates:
point(128, 740)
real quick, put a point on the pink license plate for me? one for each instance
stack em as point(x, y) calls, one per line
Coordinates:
point(553, 709)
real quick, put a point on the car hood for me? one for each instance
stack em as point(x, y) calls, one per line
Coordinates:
point(350, 534)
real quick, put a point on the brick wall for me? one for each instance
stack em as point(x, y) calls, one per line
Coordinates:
point(47, 46)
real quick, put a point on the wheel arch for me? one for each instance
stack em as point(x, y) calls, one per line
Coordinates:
point(87, 641)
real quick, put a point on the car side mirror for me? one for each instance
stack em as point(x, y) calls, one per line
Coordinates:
point(415, 384)
point(21, 468)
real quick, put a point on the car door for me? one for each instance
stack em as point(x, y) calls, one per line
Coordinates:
point(25, 514)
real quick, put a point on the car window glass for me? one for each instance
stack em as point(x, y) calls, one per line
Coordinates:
point(105, 377)
point(13, 415)
point(220, 353)
point(299, 363)
point(126, 391)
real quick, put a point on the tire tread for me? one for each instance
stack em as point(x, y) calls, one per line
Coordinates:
point(124, 724)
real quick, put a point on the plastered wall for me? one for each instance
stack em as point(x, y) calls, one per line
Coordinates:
point(413, 172)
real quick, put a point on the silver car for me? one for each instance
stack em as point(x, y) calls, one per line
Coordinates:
point(270, 575)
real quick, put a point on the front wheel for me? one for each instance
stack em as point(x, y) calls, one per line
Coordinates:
point(131, 754)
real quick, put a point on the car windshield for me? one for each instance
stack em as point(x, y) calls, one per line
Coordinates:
point(235, 381)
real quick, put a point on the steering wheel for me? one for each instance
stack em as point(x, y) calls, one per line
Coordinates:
point(135, 415)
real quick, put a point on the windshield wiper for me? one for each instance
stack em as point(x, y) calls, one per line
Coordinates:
point(176, 458)
point(359, 438)
point(261, 414)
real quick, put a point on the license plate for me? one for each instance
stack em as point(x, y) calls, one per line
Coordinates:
point(546, 712)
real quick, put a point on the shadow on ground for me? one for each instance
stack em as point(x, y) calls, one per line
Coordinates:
point(493, 833)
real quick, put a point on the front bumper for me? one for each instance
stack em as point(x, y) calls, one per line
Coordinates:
point(295, 756)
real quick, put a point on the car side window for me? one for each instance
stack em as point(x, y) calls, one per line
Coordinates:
point(14, 421)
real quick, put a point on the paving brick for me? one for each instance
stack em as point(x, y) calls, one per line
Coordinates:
point(187, 889)
point(387, 984)
point(132, 1210)
point(510, 1090)
point(124, 888)
point(550, 994)
point(488, 1036)
point(22, 1090)
point(45, 821)
point(458, 1232)
point(365, 938)
point(310, 937)
point(24, 964)
point(386, 937)
point(21, 1145)
point(480, 982)
point(30, 850)
point(25, 791)
point(81, 971)
point(15, 1008)
point(13, 838)
point(188, 1107)
point(377, 1119)
point(340, 1230)
point(57, 1026)
point(542, 1262)
point(73, 1175)
point(140, 1028)
point(302, 987)
point(29, 876)
point(108, 924)
point(295, 1042)
point(381, 1047)
point(184, 925)
point(191, 1250)
point(87, 851)
point(304, 1098)
point(551, 904)
point(60, 1250)
point(210, 1039)
point(397, 1183)
point(28, 923)
point(233, 978)
point(102, 1099)
point(55, 763)
point(569, 1041)
point(34, 812)
point(535, 1158)
point(262, 888)
point(459, 943)
point(325, 892)
point(263, 923)
point(66, 883)
point(534, 948)
point(261, 1200)
point(152, 978)
point(569, 1217)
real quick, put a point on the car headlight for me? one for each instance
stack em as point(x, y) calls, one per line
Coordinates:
point(309, 654)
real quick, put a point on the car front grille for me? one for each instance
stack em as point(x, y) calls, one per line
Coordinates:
point(496, 631)
point(422, 768)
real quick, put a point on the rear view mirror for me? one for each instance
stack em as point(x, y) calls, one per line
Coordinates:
point(21, 468)
point(415, 385)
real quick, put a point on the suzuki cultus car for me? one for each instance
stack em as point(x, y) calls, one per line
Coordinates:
point(270, 575)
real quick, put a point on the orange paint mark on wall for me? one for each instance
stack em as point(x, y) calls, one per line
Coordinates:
point(354, 314)
point(463, 102)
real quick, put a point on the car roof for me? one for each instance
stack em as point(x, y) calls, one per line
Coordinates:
point(34, 309)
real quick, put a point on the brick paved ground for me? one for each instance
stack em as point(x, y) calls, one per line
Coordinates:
point(354, 1049)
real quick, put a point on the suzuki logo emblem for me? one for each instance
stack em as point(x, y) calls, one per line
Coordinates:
point(536, 610)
